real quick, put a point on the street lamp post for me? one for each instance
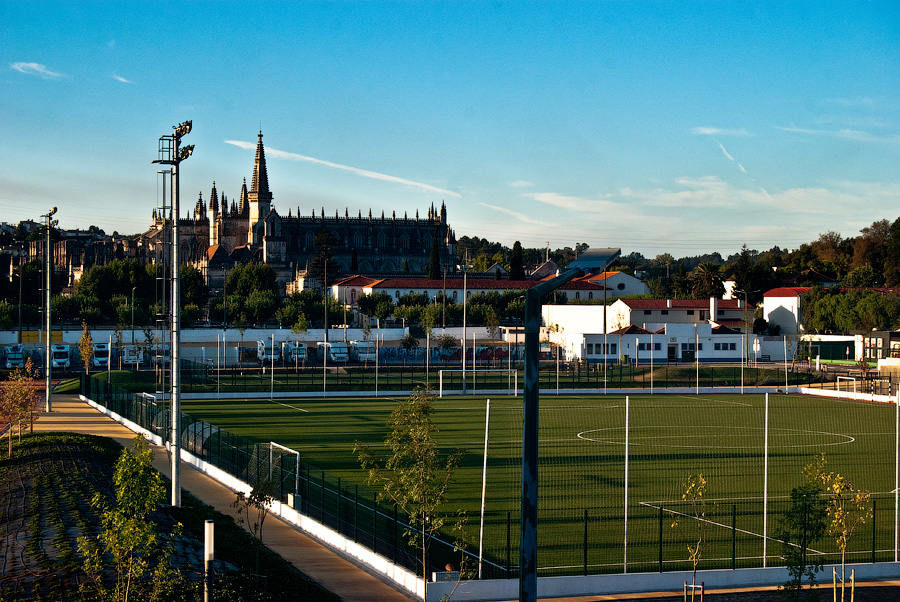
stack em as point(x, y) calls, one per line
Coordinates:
point(133, 288)
point(49, 265)
point(171, 154)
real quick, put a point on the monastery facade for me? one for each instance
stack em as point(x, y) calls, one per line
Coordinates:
point(218, 234)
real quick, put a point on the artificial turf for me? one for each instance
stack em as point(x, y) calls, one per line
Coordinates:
point(582, 467)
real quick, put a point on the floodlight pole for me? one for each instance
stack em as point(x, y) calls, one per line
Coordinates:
point(528, 532)
point(49, 265)
point(170, 154)
point(528, 547)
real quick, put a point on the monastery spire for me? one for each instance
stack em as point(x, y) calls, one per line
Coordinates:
point(260, 183)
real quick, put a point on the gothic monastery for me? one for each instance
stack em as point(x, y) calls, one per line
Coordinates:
point(217, 235)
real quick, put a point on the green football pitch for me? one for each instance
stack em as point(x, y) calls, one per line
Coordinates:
point(582, 489)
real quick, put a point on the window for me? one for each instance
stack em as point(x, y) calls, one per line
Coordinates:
point(717, 346)
point(657, 346)
point(577, 295)
point(454, 295)
point(732, 346)
point(690, 312)
point(396, 294)
point(665, 312)
point(590, 349)
point(689, 347)
point(590, 296)
point(647, 312)
point(720, 312)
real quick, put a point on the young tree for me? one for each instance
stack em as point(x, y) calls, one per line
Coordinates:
point(414, 475)
point(253, 509)
point(86, 347)
point(694, 492)
point(409, 342)
point(18, 398)
point(848, 508)
point(802, 526)
point(128, 536)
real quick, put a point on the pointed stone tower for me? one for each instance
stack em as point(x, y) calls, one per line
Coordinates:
point(214, 215)
point(259, 197)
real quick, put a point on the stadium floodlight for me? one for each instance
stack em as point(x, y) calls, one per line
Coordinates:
point(182, 129)
point(171, 154)
point(591, 261)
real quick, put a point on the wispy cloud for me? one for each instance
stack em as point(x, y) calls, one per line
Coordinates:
point(519, 216)
point(119, 78)
point(521, 184)
point(575, 203)
point(710, 131)
point(36, 69)
point(846, 134)
point(272, 152)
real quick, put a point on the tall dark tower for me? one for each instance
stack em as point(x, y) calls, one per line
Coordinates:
point(259, 197)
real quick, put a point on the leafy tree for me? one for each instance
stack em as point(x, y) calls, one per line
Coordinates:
point(409, 342)
point(415, 475)
point(193, 289)
point(18, 398)
point(706, 282)
point(848, 508)
point(516, 263)
point(802, 526)
point(129, 537)
point(86, 347)
point(861, 277)
point(384, 309)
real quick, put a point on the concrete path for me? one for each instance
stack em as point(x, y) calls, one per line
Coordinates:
point(332, 571)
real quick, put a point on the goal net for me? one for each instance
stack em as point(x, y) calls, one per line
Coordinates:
point(474, 380)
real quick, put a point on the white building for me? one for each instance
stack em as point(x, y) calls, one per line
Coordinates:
point(784, 307)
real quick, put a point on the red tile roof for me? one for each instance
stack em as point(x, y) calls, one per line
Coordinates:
point(787, 291)
point(679, 303)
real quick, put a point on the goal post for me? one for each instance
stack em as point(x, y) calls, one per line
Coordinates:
point(512, 377)
point(848, 379)
point(276, 453)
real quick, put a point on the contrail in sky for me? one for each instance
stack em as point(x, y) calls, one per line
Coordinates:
point(360, 172)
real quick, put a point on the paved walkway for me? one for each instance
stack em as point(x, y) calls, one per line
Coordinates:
point(334, 572)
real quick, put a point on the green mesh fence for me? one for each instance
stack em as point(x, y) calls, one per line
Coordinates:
point(583, 516)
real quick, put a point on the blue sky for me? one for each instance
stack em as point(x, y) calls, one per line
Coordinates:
point(651, 126)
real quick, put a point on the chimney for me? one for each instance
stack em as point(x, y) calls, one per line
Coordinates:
point(713, 306)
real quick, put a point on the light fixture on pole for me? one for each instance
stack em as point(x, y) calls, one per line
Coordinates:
point(48, 263)
point(171, 153)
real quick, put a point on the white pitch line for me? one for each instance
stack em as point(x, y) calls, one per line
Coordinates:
point(289, 406)
point(724, 526)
